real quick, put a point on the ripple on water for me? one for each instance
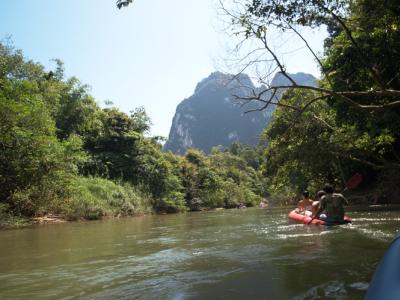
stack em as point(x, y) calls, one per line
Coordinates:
point(293, 231)
point(329, 290)
point(377, 219)
point(98, 274)
point(268, 229)
point(295, 235)
point(159, 240)
point(373, 232)
point(362, 286)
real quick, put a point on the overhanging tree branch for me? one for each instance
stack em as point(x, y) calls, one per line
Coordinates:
point(345, 96)
point(257, 16)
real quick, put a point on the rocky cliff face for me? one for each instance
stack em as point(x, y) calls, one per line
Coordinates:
point(211, 116)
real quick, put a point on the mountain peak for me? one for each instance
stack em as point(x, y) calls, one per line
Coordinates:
point(218, 79)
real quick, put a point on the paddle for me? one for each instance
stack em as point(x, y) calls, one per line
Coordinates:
point(352, 183)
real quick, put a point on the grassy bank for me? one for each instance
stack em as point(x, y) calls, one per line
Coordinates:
point(9, 220)
point(94, 198)
point(87, 198)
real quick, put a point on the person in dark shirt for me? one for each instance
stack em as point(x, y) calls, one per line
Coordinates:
point(333, 204)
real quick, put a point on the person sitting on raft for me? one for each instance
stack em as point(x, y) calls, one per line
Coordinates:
point(305, 204)
point(333, 204)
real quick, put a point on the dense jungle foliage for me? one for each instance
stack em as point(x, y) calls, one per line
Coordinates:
point(61, 153)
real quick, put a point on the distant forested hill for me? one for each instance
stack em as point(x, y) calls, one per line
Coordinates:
point(211, 116)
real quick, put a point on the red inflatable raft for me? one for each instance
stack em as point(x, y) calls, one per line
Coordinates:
point(306, 218)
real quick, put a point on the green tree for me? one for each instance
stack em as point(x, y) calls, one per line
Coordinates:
point(78, 112)
point(34, 164)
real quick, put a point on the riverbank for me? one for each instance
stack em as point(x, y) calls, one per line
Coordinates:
point(15, 222)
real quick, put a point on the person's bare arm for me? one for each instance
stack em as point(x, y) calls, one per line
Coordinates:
point(322, 205)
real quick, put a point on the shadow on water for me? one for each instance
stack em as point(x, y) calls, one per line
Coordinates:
point(235, 254)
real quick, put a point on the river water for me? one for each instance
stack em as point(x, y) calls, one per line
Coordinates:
point(228, 254)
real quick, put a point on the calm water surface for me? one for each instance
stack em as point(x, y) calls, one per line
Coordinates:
point(235, 254)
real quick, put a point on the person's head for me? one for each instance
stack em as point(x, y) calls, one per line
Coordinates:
point(320, 194)
point(328, 189)
point(306, 194)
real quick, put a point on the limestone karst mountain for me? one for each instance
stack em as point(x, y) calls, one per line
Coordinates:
point(211, 116)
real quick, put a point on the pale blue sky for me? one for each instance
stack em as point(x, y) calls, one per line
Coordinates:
point(151, 54)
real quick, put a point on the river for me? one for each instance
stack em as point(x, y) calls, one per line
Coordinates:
point(227, 254)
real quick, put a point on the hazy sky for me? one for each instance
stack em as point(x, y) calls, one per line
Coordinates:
point(151, 54)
